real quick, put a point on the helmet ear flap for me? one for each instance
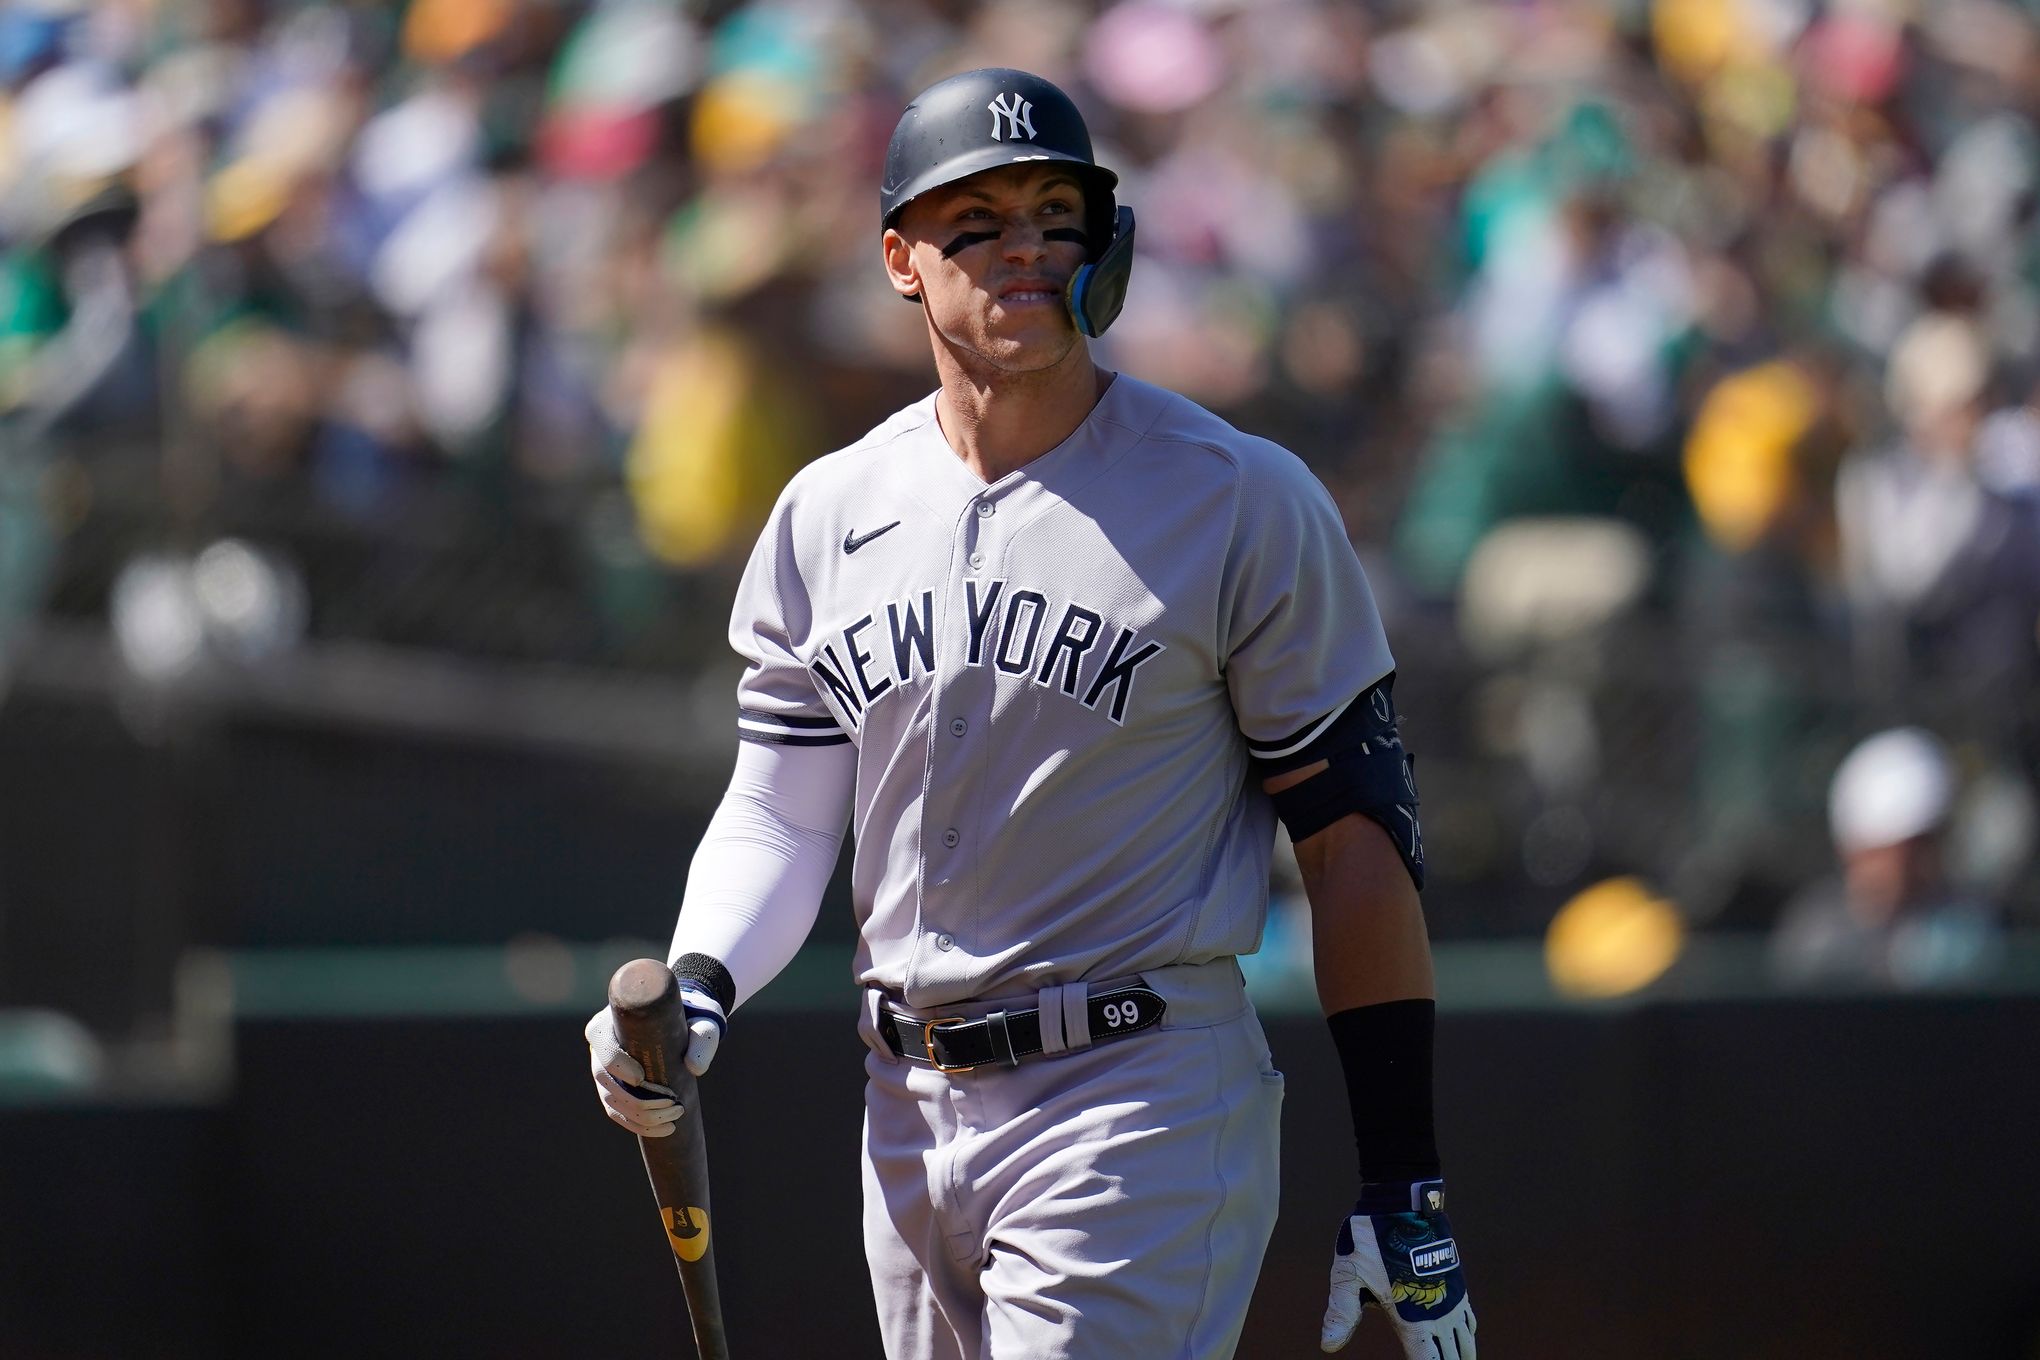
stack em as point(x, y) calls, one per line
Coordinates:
point(1098, 290)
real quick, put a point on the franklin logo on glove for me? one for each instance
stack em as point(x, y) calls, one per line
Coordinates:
point(1435, 1259)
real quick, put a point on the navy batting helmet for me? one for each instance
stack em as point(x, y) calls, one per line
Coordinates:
point(985, 119)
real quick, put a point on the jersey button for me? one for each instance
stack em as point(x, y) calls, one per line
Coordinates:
point(977, 561)
point(984, 509)
point(958, 728)
point(950, 838)
point(945, 942)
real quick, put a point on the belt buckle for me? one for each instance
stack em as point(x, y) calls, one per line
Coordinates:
point(928, 1042)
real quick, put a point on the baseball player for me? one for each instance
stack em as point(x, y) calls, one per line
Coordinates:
point(1061, 646)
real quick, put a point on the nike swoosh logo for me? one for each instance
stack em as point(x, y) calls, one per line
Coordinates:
point(851, 543)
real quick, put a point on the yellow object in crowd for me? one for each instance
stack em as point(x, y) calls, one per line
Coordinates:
point(742, 120)
point(1696, 39)
point(1740, 458)
point(1612, 939)
point(714, 448)
point(245, 197)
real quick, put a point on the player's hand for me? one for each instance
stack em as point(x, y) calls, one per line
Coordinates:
point(1407, 1265)
point(645, 1107)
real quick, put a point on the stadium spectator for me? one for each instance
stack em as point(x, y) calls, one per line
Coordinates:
point(1892, 916)
point(1942, 569)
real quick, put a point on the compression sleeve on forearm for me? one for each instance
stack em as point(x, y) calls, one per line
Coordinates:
point(1385, 1050)
point(757, 879)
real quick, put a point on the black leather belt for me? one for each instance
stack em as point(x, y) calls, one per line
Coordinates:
point(954, 1044)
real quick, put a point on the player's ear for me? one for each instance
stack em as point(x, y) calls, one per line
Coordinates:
point(899, 265)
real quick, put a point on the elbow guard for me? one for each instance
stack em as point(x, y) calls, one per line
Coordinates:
point(1366, 771)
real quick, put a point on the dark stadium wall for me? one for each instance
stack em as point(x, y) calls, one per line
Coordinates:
point(1718, 1181)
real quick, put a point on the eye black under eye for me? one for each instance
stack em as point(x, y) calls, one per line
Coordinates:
point(965, 240)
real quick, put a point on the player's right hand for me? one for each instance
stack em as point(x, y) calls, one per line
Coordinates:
point(645, 1107)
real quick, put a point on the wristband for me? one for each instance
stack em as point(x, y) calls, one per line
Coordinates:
point(707, 973)
point(1401, 1197)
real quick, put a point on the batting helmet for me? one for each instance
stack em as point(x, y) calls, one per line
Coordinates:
point(985, 119)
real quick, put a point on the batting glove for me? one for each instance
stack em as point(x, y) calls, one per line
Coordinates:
point(1406, 1264)
point(645, 1107)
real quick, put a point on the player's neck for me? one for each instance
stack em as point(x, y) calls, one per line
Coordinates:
point(998, 422)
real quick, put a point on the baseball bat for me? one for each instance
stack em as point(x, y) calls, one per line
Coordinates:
point(653, 1029)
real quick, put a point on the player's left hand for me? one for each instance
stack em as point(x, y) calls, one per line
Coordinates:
point(1406, 1264)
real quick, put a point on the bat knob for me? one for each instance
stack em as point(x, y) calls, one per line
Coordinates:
point(641, 986)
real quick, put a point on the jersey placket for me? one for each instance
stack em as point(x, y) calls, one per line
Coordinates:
point(952, 821)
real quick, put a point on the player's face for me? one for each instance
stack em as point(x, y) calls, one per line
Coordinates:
point(990, 257)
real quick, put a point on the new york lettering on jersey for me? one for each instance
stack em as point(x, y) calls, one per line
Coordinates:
point(1008, 631)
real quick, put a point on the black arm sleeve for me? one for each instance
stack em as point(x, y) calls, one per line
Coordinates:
point(1386, 1053)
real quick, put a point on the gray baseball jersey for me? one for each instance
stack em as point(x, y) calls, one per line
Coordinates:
point(1055, 683)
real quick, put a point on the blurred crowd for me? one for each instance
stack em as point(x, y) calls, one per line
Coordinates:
point(1676, 362)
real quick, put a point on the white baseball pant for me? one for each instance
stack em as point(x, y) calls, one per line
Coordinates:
point(1113, 1200)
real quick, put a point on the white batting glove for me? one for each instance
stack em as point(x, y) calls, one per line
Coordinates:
point(1406, 1264)
point(644, 1107)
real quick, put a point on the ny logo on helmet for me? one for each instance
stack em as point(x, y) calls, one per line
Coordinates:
point(1019, 116)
